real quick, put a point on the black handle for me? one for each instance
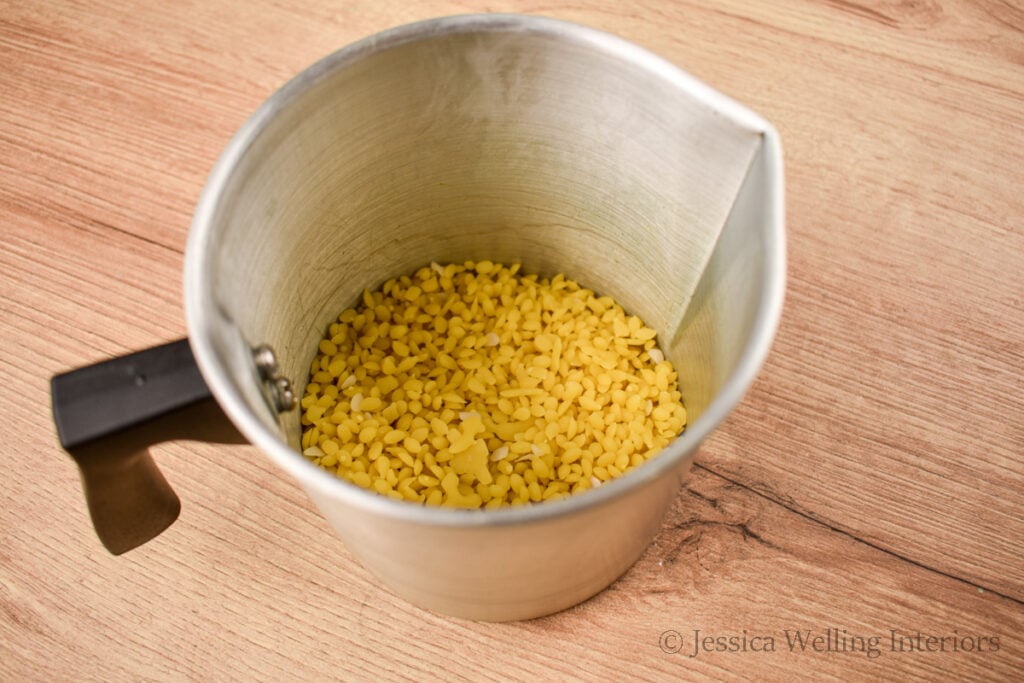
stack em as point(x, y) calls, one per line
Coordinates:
point(109, 414)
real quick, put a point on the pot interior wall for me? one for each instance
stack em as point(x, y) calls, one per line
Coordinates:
point(510, 146)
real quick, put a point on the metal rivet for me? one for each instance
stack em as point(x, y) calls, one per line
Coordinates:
point(265, 360)
point(279, 388)
point(284, 397)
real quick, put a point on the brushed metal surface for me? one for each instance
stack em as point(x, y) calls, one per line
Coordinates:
point(517, 139)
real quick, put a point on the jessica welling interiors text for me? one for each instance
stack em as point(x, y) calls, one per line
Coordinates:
point(824, 641)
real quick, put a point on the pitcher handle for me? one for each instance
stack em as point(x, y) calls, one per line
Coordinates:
point(108, 415)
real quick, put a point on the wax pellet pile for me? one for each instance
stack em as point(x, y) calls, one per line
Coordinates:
point(474, 386)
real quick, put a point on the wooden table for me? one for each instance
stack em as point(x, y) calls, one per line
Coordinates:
point(869, 487)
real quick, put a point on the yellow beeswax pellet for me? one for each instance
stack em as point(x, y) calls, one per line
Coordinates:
point(472, 385)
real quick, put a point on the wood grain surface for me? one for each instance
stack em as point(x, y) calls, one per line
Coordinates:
point(869, 486)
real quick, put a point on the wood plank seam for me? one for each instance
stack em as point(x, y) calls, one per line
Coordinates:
point(777, 500)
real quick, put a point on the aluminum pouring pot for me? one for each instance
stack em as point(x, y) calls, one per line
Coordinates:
point(501, 137)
